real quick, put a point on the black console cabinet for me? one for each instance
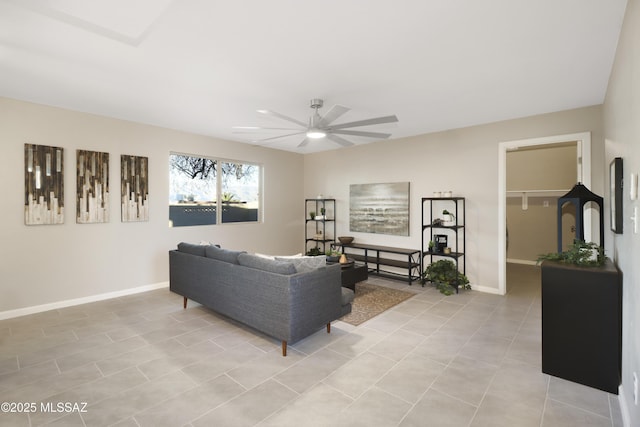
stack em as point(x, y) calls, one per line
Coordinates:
point(582, 324)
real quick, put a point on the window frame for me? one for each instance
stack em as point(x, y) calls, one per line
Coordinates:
point(219, 188)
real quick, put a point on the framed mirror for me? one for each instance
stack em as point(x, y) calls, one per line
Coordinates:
point(615, 194)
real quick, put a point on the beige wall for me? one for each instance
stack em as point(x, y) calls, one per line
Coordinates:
point(533, 231)
point(546, 168)
point(464, 161)
point(50, 263)
point(622, 133)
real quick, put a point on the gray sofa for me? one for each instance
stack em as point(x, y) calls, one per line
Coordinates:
point(276, 297)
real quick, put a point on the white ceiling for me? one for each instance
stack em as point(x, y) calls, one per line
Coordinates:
point(204, 66)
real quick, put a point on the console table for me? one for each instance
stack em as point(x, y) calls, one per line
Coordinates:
point(370, 255)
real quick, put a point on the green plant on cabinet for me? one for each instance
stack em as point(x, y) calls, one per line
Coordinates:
point(579, 253)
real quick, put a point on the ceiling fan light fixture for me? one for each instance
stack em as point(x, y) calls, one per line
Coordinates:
point(315, 133)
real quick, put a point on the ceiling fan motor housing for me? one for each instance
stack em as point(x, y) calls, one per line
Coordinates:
point(316, 103)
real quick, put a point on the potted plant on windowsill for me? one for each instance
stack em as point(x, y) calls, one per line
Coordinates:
point(445, 275)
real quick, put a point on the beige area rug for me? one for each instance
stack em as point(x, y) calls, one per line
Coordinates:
point(371, 300)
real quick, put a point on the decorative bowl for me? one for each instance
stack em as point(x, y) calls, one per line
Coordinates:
point(345, 240)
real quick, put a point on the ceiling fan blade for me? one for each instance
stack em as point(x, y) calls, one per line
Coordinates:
point(335, 112)
point(375, 121)
point(304, 142)
point(340, 140)
point(277, 137)
point(362, 133)
point(283, 117)
point(258, 128)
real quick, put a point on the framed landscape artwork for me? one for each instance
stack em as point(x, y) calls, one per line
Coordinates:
point(92, 187)
point(43, 184)
point(134, 188)
point(379, 208)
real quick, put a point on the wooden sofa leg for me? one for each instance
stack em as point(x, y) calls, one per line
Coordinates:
point(284, 348)
point(329, 327)
point(185, 302)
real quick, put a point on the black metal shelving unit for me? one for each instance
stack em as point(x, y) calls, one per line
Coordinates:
point(326, 226)
point(457, 231)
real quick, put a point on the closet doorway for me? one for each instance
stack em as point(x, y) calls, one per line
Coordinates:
point(533, 173)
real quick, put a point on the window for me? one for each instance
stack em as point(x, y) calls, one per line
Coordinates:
point(207, 191)
point(240, 192)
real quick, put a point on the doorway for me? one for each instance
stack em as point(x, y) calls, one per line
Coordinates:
point(582, 143)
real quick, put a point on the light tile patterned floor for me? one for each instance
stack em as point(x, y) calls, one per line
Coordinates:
point(470, 359)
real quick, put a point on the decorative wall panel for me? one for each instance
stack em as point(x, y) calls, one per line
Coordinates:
point(43, 184)
point(92, 182)
point(134, 188)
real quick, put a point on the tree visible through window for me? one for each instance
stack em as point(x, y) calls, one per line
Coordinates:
point(240, 192)
point(199, 195)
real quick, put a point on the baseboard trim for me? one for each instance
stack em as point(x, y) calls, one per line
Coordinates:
point(521, 261)
point(486, 289)
point(624, 409)
point(77, 301)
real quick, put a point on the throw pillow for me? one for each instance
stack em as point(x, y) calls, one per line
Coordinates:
point(192, 248)
point(305, 263)
point(278, 256)
point(220, 254)
point(265, 264)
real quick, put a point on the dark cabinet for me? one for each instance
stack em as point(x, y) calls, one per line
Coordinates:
point(582, 324)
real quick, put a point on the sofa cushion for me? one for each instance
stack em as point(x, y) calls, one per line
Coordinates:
point(305, 263)
point(272, 266)
point(220, 254)
point(347, 296)
point(192, 248)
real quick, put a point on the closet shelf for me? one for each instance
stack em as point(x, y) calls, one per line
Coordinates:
point(537, 193)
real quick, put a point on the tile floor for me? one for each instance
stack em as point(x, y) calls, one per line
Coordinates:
point(471, 359)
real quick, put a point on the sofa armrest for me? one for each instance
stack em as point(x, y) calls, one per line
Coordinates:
point(316, 299)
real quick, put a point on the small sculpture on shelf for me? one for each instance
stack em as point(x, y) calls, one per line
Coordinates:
point(449, 218)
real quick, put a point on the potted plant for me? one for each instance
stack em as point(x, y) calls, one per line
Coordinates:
point(314, 252)
point(445, 275)
point(333, 255)
point(432, 246)
point(449, 219)
point(312, 215)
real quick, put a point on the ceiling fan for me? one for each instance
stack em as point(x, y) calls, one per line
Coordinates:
point(321, 126)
